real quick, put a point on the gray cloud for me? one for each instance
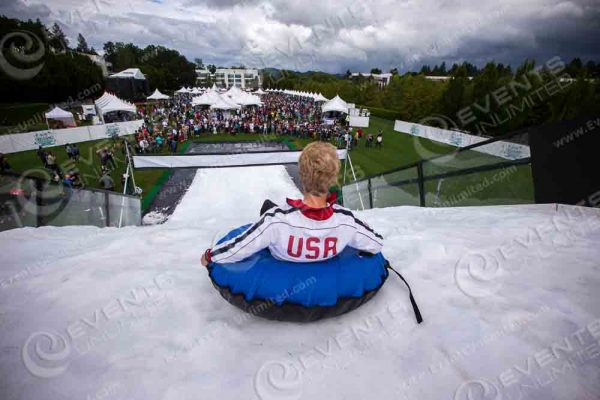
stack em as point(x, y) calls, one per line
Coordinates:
point(334, 35)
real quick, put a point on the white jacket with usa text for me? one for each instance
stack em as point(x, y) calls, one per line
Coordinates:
point(298, 233)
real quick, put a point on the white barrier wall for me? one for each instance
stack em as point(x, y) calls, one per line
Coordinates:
point(507, 150)
point(60, 137)
point(221, 160)
point(359, 122)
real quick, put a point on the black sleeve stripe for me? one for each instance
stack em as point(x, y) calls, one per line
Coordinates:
point(251, 229)
point(367, 236)
point(358, 221)
point(250, 241)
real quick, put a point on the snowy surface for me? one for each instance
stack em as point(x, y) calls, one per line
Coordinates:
point(510, 296)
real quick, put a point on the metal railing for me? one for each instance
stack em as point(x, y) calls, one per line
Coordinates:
point(33, 201)
point(464, 177)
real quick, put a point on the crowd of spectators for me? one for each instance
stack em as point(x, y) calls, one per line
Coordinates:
point(170, 123)
point(176, 120)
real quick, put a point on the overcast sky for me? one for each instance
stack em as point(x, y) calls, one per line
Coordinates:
point(333, 35)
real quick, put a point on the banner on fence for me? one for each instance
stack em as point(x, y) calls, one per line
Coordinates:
point(359, 122)
point(507, 150)
point(221, 160)
point(60, 137)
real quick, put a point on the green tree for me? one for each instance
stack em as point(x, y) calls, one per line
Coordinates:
point(58, 40)
point(82, 45)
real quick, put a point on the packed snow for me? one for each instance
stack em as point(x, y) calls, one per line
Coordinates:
point(510, 296)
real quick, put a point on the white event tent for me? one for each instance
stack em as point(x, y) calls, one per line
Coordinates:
point(224, 103)
point(209, 98)
point(157, 95)
point(319, 97)
point(109, 103)
point(59, 114)
point(335, 104)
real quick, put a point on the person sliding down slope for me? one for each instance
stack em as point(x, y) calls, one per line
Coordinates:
point(308, 230)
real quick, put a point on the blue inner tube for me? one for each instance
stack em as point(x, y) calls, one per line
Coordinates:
point(302, 292)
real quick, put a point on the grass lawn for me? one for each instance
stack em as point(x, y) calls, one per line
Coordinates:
point(398, 149)
point(27, 162)
point(511, 185)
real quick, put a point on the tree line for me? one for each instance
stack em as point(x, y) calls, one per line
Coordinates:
point(66, 72)
point(491, 100)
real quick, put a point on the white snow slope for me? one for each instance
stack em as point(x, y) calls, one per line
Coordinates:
point(510, 296)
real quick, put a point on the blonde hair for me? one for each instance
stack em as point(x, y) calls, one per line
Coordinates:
point(319, 166)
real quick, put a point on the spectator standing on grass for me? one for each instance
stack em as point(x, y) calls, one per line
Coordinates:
point(173, 145)
point(379, 140)
point(4, 165)
point(69, 151)
point(41, 153)
point(103, 154)
point(143, 145)
point(107, 182)
point(51, 163)
point(110, 158)
point(369, 140)
point(75, 152)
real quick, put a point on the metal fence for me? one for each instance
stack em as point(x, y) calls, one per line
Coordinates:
point(29, 201)
point(465, 177)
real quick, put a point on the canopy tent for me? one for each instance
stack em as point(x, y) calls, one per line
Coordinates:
point(109, 103)
point(224, 103)
point(234, 92)
point(130, 84)
point(242, 98)
point(182, 90)
point(157, 95)
point(196, 91)
point(260, 91)
point(248, 100)
point(61, 115)
point(335, 104)
point(207, 99)
point(319, 97)
point(134, 73)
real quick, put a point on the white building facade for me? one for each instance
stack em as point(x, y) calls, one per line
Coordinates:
point(381, 79)
point(243, 78)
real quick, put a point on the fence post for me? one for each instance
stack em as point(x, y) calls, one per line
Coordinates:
point(421, 184)
point(107, 208)
point(370, 193)
point(39, 202)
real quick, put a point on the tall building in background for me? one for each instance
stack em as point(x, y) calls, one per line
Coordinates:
point(243, 78)
point(381, 79)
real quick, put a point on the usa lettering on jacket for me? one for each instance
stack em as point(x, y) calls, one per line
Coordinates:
point(291, 235)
